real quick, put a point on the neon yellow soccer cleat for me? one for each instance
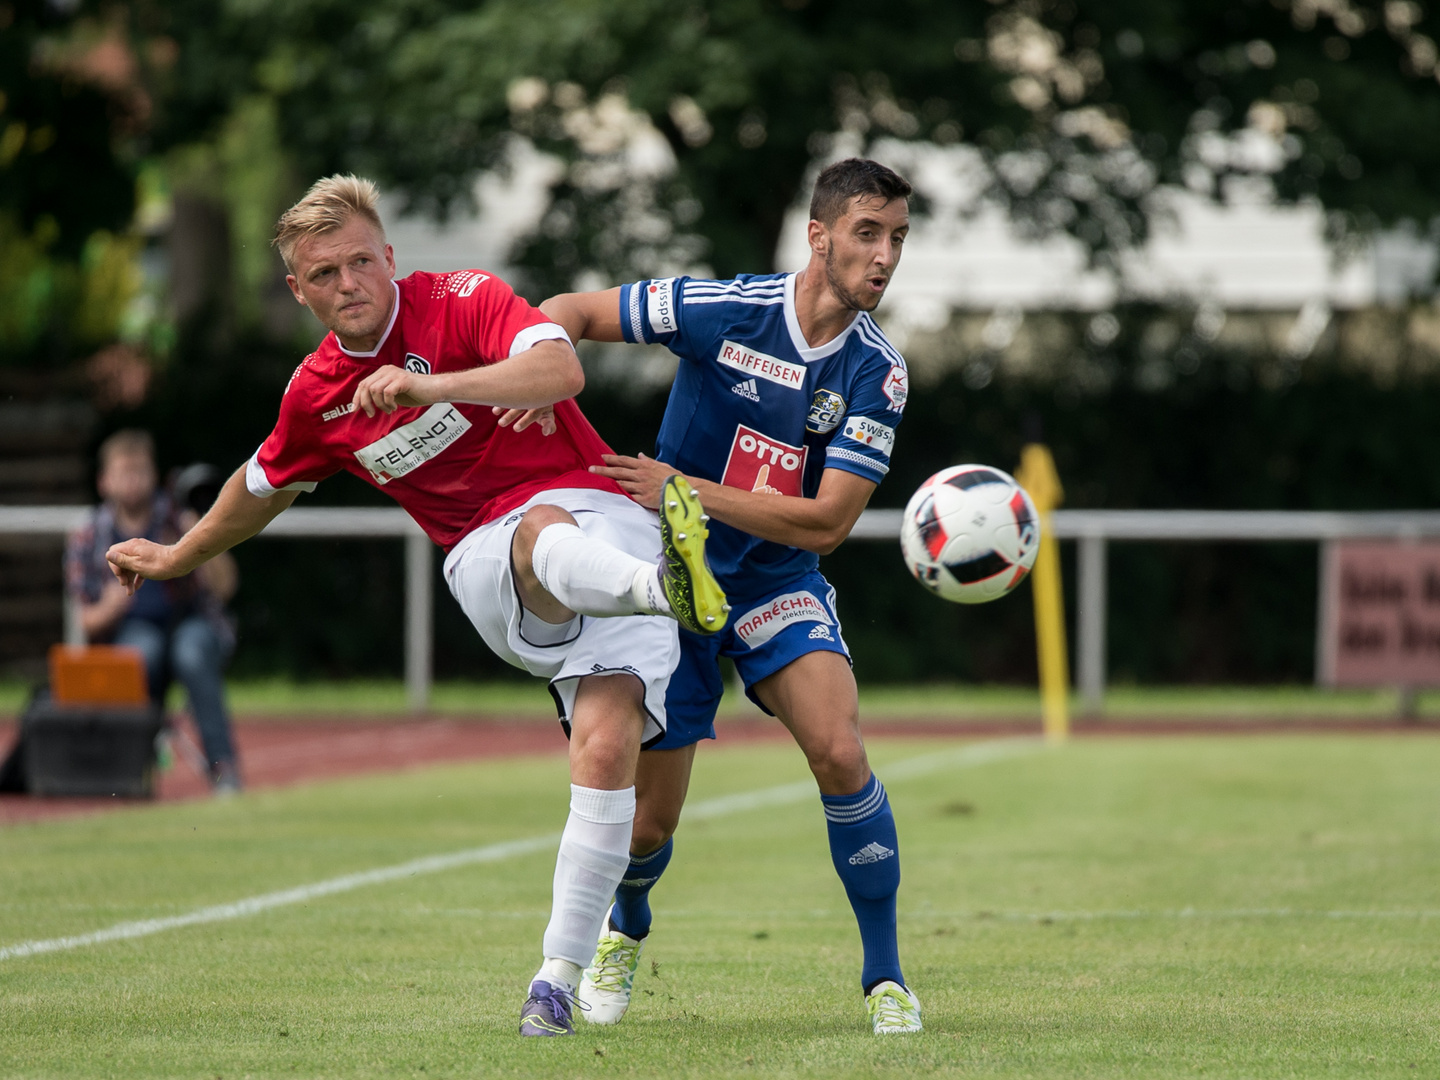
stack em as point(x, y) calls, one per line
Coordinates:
point(696, 599)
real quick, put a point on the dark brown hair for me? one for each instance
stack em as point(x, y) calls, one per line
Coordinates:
point(844, 180)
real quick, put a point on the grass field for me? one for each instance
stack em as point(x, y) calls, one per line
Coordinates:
point(1235, 907)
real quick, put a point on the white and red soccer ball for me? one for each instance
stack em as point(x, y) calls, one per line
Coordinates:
point(970, 534)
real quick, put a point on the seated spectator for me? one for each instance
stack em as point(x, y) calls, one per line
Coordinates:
point(179, 626)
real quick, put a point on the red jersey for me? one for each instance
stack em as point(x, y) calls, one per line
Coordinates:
point(449, 465)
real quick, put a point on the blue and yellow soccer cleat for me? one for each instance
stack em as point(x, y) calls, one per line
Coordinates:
point(696, 599)
point(547, 1011)
point(892, 1009)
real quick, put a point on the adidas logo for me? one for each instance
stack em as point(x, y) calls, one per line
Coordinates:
point(870, 853)
point(746, 389)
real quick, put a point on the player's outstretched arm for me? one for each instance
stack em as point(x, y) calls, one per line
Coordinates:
point(820, 524)
point(237, 515)
point(587, 316)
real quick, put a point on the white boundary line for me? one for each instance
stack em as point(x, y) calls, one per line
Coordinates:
point(783, 794)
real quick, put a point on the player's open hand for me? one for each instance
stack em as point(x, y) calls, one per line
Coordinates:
point(392, 388)
point(523, 418)
point(134, 561)
point(642, 478)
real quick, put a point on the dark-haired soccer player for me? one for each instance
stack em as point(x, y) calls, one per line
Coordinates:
point(400, 394)
point(783, 416)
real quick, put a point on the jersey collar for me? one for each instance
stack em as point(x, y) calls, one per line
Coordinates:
point(394, 313)
point(792, 323)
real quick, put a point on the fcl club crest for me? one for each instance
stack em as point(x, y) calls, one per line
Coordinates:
point(826, 411)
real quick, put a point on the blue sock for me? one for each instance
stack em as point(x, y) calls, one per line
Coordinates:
point(631, 915)
point(866, 854)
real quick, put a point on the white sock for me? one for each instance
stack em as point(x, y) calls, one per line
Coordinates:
point(561, 973)
point(645, 590)
point(594, 853)
point(592, 577)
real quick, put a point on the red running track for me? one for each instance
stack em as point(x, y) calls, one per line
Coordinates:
point(277, 753)
point(281, 754)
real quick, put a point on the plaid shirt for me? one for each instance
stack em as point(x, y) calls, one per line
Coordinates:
point(87, 573)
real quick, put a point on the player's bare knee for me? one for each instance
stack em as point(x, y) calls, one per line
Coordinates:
point(840, 766)
point(603, 760)
point(608, 757)
point(656, 820)
point(650, 832)
point(536, 519)
point(533, 595)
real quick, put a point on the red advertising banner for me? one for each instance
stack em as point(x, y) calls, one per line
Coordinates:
point(1379, 614)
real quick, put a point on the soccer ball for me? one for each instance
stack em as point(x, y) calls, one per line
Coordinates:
point(970, 534)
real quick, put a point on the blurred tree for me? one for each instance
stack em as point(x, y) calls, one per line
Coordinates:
point(66, 192)
point(687, 127)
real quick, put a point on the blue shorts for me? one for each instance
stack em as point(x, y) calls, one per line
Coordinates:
point(767, 630)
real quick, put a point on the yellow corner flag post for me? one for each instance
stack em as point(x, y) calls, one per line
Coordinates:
point(1037, 476)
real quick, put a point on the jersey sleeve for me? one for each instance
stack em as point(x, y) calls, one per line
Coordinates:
point(650, 313)
point(292, 457)
point(495, 323)
point(864, 441)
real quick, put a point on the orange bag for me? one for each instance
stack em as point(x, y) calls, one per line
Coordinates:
point(97, 675)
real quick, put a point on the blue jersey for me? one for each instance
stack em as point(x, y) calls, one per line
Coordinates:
point(754, 407)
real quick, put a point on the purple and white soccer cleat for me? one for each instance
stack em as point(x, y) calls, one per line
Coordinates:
point(547, 1011)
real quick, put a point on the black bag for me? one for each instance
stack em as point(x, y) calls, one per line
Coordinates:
point(12, 770)
point(84, 750)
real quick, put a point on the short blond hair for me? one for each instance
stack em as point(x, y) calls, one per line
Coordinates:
point(327, 206)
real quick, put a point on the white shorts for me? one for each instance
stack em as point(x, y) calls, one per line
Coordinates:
point(479, 572)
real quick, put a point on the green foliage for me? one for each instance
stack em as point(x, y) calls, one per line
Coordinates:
point(685, 129)
point(1246, 908)
point(241, 170)
point(33, 288)
point(53, 305)
point(257, 187)
point(59, 163)
point(1076, 108)
point(67, 274)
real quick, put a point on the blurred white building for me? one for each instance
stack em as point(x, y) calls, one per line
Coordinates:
point(1248, 255)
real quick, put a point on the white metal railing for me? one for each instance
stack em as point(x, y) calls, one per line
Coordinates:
point(1091, 529)
point(301, 522)
point(1094, 529)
